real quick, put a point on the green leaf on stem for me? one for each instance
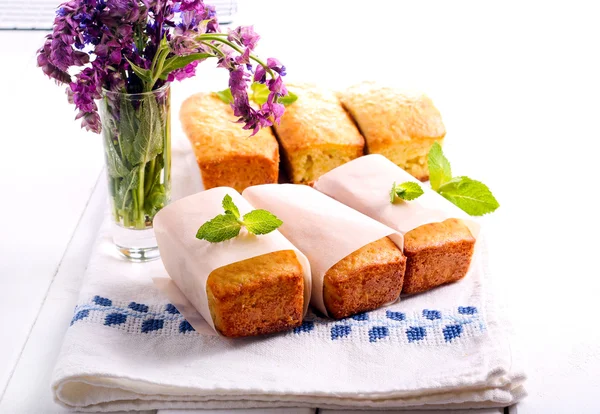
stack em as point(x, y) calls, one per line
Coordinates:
point(406, 191)
point(155, 200)
point(260, 93)
point(116, 167)
point(178, 62)
point(222, 227)
point(230, 207)
point(128, 125)
point(128, 183)
point(261, 222)
point(472, 196)
point(149, 137)
point(144, 74)
point(439, 167)
point(225, 95)
point(288, 99)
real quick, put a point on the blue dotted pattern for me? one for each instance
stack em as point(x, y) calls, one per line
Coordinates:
point(395, 316)
point(170, 308)
point(425, 327)
point(432, 314)
point(80, 315)
point(340, 331)
point(152, 325)
point(378, 332)
point(467, 310)
point(415, 333)
point(451, 332)
point(185, 326)
point(306, 326)
point(361, 317)
point(99, 300)
point(115, 319)
point(138, 307)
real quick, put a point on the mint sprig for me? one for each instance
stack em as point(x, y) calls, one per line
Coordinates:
point(227, 226)
point(471, 196)
point(405, 191)
point(259, 95)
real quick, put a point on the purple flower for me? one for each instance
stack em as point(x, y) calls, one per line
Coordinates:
point(274, 109)
point(261, 75)
point(244, 36)
point(192, 5)
point(183, 73)
point(95, 40)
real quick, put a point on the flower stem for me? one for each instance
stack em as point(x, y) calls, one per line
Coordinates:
point(148, 184)
point(140, 222)
point(236, 48)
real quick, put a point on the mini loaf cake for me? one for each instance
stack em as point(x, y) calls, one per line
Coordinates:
point(436, 253)
point(260, 295)
point(316, 134)
point(365, 279)
point(225, 152)
point(398, 125)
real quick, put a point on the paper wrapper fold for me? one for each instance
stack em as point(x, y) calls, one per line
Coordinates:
point(323, 229)
point(190, 261)
point(365, 183)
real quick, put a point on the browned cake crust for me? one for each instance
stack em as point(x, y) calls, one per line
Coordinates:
point(226, 154)
point(365, 279)
point(316, 134)
point(401, 126)
point(261, 295)
point(437, 253)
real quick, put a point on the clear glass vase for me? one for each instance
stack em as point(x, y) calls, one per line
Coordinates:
point(136, 130)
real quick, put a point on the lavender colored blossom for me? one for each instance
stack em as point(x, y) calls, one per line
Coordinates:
point(96, 44)
point(244, 36)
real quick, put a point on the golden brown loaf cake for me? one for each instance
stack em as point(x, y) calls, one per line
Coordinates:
point(401, 126)
point(437, 253)
point(225, 152)
point(365, 279)
point(316, 134)
point(257, 296)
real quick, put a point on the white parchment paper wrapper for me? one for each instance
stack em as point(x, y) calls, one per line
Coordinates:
point(323, 229)
point(190, 261)
point(365, 183)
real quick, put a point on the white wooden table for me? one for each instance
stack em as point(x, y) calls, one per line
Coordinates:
point(518, 86)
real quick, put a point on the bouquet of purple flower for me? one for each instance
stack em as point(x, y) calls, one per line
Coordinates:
point(122, 55)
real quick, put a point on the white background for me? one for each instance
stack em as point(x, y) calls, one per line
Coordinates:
point(518, 87)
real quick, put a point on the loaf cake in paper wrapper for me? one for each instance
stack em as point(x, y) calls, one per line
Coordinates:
point(356, 262)
point(439, 238)
point(231, 287)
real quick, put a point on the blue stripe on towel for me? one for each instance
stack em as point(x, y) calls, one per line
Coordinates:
point(389, 325)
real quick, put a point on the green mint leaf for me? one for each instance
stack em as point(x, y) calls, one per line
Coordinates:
point(261, 222)
point(473, 197)
point(230, 207)
point(225, 95)
point(221, 228)
point(260, 93)
point(178, 62)
point(439, 167)
point(228, 225)
point(128, 183)
point(288, 99)
point(144, 74)
point(155, 200)
point(128, 125)
point(406, 191)
point(149, 138)
point(116, 167)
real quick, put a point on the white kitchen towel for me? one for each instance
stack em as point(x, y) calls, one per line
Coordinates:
point(128, 348)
